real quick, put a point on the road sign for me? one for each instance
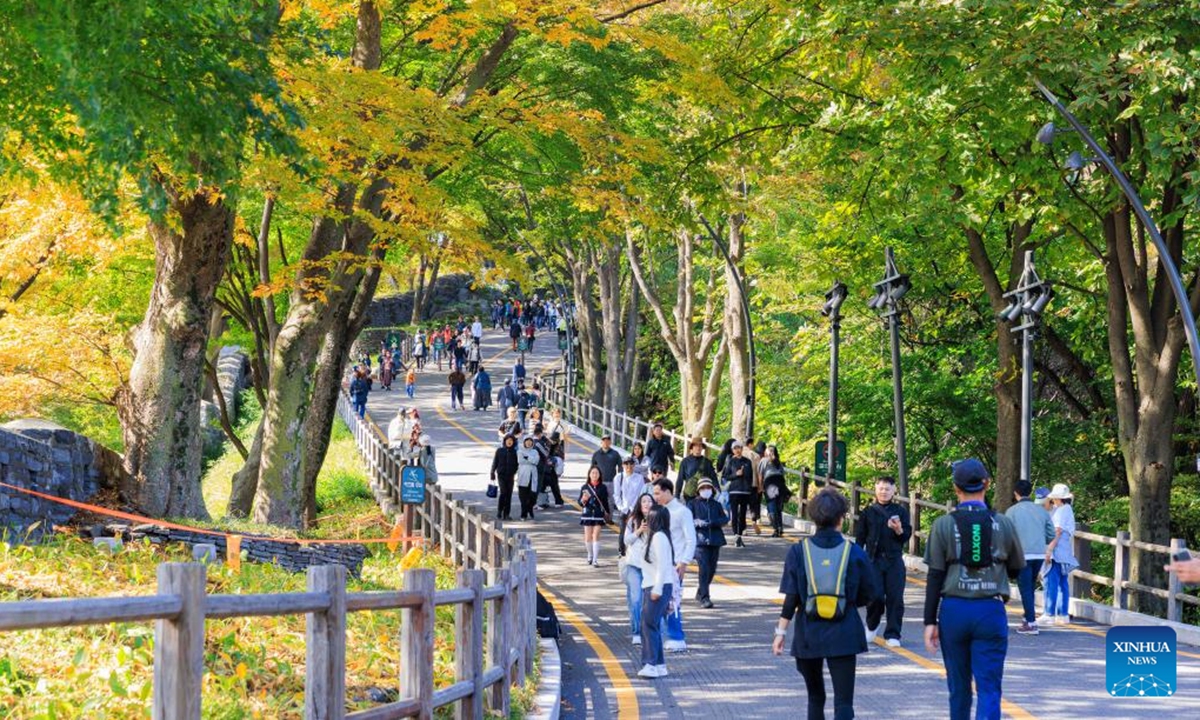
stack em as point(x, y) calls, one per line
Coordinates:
point(523, 345)
point(820, 464)
point(393, 340)
point(412, 485)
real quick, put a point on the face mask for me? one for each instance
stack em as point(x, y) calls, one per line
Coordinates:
point(706, 494)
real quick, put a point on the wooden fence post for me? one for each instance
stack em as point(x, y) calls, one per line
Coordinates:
point(517, 610)
point(416, 643)
point(914, 516)
point(499, 623)
point(1174, 586)
point(468, 645)
point(531, 635)
point(325, 651)
point(1121, 571)
point(179, 645)
point(1082, 588)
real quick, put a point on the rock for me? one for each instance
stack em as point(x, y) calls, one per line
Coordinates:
point(108, 545)
point(204, 552)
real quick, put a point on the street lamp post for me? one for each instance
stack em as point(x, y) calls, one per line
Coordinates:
point(888, 292)
point(751, 388)
point(1027, 302)
point(1046, 136)
point(832, 310)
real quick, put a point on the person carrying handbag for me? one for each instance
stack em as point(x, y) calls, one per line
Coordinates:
point(596, 513)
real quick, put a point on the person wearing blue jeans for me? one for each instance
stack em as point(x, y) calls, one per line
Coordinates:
point(658, 576)
point(1034, 529)
point(1060, 557)
point(635, 551)
point(972, 553)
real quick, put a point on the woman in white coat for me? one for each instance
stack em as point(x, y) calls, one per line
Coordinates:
point(528, 461)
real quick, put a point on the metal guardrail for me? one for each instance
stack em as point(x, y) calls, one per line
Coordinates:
point(626, 430)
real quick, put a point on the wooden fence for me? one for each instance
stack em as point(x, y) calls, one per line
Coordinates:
point(626, 430)
point(495, 603)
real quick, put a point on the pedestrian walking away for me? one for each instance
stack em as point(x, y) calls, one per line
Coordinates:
point(457, 380)
point(658, 590)
point(683, 540)
point(738, 480)
point(359, 388)
point(506, 397)
point(528, 459)
point(1059, 559)
point(410, 382)
point(482, 389)
point(514, 332)
point(709, 517)
point(774, 488)
point(1034, 530)
point(504, 473)
point(882, 532)
point(630, 567)
point(596, 513)
point(628, 487)
point(971, 554)
point(825, 578)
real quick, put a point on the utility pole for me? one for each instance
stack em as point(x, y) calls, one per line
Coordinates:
point(1028, 300)
point(832, 310)
point(888, 292)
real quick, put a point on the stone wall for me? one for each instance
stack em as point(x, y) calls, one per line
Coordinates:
point(47, 458)
point(451, 294)
point(290, 556)
point(233, 376)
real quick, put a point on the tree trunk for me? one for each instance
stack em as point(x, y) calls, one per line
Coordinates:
point(245, 480)
point(159, 408)
point(1149, 462)
point(613, 324)
point(587, 322)
point(430, 288)
point(418, 303)
point(736, 332)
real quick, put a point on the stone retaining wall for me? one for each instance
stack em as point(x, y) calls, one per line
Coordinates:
point(293, 557)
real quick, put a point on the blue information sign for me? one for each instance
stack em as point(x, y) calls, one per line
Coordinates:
point(412, 485)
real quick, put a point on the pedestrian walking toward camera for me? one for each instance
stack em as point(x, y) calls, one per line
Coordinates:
point(971, 553)
point(595, 515)
point(709, 517)
point(628, 487)
point(410, 382)
point(1034, 529)
point(504, 473)
point(607, 459)
point(754, 453)
point(694, 467)
point(386, 370)
point(457, 381)
point(774, 487)
point(882, 532)
point(1059, 559)
point(630, 568)
point(482, 385)
point(474, 357)
point(658, 574)
point(738, 480)
point(683, 540)
point(514, 333)
point(825, 578)
point(419, 350)
point(511, 425)
point(359, 388)
point(528, 460)
point(641, 462)
point(659, 449)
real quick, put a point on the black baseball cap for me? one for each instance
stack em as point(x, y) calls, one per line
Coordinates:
point(970, 475)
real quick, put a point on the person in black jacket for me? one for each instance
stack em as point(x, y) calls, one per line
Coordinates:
point(504, 472)
point(659, 448)
point(597, 512)
point(607, 459)
point(775, 488)
point(709, 518)
point(882, 532)
point(695, 465)
point(836, 642)
point(738, 480)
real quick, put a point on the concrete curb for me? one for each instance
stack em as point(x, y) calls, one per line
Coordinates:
point(548, 702)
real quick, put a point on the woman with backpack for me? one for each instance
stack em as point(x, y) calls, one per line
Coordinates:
point(775, 488)
point(823, 601)
point(658, 583)
point(596, 513)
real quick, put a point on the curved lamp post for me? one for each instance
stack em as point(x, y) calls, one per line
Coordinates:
point(1075, 162)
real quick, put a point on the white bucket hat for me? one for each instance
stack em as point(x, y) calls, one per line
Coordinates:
point(1060, 492)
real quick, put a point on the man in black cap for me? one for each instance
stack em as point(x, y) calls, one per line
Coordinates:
point(972, 553)
point(607, 459)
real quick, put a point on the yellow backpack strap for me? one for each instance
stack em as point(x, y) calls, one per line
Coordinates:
point(812, 581)
point(841, 585)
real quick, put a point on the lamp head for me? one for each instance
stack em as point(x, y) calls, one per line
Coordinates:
point(1047, 134)
point(834, 299)
point(1076, 161)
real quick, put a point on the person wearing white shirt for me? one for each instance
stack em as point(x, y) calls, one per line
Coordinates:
point(398, 433)
point(683, 538)
point(628, 486)
point(658, 589)
point(477, 329)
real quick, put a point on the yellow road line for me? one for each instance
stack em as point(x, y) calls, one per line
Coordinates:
point(627, 703)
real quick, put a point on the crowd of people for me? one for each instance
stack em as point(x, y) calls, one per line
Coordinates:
point(664, 525)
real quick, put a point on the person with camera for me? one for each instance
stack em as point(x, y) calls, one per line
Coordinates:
point(882, 532)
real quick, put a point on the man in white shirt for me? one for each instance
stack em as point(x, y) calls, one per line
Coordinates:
point(628, 486)
point(398, 434)
point(683, 539)
point(477, 329)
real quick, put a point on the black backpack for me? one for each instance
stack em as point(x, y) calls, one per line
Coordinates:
point(547, 619)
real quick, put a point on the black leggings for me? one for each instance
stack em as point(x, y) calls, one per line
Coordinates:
point(841, 669)
point(738, 504)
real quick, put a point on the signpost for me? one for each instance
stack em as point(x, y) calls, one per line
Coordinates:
point(392, 340)
point(821, 464)
point(412, 485)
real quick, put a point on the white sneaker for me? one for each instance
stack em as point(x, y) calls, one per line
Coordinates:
point(1062, 619)
point(637, 640)
point(649, 671)
point(1044, 620)
point(893, 642)
point(674, 646)
point(661, 670)
point(871, 635)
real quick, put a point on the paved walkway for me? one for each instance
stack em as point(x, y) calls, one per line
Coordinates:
point(728, 670)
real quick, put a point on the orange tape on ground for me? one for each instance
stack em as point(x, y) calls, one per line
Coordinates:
point(203, 531)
